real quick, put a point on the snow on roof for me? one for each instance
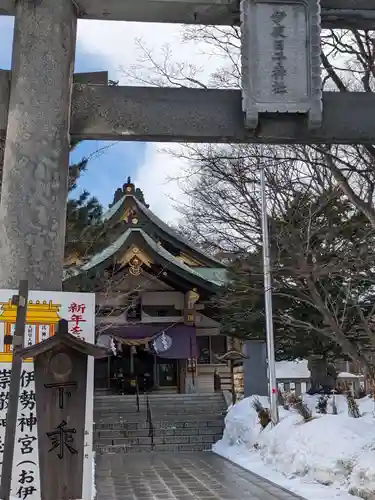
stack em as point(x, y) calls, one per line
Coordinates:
point(292, 369)
point(298, 369)
point(348, 375)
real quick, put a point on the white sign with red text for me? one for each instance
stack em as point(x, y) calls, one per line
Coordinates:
point(44, 311)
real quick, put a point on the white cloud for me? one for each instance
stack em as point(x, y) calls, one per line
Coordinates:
point(117, 42)
point(156, 176)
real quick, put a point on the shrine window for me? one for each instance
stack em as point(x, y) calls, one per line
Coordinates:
point(162, 311)
point(210, 348)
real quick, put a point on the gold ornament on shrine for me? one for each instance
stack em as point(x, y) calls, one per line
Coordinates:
point(192, 298)
point(41, 320)
point(135, 258)
point(135, 266)
point(130, 216)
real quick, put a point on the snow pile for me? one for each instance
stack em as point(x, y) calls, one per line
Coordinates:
point(332, 450)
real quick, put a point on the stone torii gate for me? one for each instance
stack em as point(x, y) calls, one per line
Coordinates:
point(40, 105)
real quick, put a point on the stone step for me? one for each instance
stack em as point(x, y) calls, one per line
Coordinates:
point(161, 448)
point(160, 437)
point(179, 404)
point(136, 433)
point(159, 410)
point(154, 395)
point(158, 415)
point(133, 405)
point(181, 422)
point(208, 421)
point(144, 440)
point(112, 400)
point(121, 426)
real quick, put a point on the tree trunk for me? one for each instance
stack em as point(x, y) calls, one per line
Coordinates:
point(322, 376)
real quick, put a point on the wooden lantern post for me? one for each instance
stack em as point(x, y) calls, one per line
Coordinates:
point(60, 391)
point(232, 356)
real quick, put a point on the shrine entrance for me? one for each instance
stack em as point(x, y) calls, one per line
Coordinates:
point(166, 373)
point(136, 367)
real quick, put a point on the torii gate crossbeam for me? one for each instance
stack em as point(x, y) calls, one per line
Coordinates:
point(38, 111)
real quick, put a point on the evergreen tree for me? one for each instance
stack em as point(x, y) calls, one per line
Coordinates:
point(84, 226)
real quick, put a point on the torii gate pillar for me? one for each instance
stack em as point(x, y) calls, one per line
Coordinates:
point(36, 159)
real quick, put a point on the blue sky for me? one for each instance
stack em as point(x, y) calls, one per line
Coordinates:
point(109, 169)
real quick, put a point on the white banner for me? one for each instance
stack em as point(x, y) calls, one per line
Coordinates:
point(44, 311)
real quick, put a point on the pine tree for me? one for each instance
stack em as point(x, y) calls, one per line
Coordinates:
point(84, 227)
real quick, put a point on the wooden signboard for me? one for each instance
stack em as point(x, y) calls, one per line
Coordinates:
point(60, 387)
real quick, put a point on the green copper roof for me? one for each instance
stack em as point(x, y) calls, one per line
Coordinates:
point(111, 211)
point(99, 257)
point(158, 222)
point(207, 274)
point(217, 275)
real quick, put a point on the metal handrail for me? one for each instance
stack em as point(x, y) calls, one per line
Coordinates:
point(149, 421)
point(137, 395)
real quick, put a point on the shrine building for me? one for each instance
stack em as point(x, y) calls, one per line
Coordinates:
point(154, 293)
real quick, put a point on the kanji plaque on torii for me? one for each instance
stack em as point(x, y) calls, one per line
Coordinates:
point(281, 59)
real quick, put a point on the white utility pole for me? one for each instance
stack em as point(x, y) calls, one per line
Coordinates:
point(272, 382)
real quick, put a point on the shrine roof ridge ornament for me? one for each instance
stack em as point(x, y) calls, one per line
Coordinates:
point(338, 14)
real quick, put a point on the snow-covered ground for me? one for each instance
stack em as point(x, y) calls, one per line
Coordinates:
point(327, 458)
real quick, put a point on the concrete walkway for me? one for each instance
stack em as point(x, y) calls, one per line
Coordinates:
point(179, 476)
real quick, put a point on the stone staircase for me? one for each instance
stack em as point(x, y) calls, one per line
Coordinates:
point(180, 422)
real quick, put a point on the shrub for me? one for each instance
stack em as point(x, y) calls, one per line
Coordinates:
point(353, 408)
point(291, 399)
point(263, 413)
point(321, 405)
point(302, 409)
